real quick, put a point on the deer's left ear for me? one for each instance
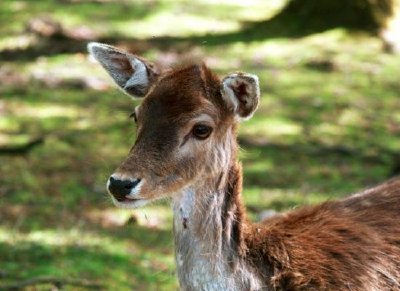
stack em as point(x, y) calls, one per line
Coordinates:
point(241, 92)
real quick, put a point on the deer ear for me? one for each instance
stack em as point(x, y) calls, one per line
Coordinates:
point(241, 93)
point(131, 73)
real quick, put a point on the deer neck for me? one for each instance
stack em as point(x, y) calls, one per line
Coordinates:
point(209, 223)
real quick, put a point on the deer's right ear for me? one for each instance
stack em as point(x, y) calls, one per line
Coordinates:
point(131, 73)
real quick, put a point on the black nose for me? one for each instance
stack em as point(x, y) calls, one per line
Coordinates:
point(120, 188)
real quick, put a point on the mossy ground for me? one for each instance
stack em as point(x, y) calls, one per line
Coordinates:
point(328, 125)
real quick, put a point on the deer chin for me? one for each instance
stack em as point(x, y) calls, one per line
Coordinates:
point(131, 203)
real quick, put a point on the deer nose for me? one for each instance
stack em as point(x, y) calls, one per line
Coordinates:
point(121, 188)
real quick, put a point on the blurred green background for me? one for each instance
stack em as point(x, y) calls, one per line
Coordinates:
point(328, 124)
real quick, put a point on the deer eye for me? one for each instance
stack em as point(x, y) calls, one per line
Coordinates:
point(201, 131)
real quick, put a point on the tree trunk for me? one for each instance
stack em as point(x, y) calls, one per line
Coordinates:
point(358, 14)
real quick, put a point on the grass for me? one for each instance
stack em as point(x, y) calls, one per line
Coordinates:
point(328, 125)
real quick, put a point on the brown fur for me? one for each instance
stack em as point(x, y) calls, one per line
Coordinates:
point(350, 244)
point(344, 245)
point(341, 245)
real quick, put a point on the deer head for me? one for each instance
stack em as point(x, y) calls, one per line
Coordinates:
point(185, 125)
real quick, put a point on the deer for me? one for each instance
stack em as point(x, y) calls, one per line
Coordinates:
point(186, 150)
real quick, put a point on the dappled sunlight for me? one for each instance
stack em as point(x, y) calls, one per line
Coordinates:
point(276, 127)
point(328, 125)
point(13, 139)
point(8, 124)
point(75, 66)
point(154, 216)
point(199, 18)
point(58, 237)
point(329, 132)
point(279, 199)
point(74, 253)
point(160, 25)
point(44, 110)
point(16, 42)
point(70, 248)
point(351, 117)
point(143, 18)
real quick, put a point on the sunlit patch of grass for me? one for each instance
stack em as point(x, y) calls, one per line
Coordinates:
point(320, 93)
point(236, 9)
point(198, 18)
point(276, 126)
point(116, 269)
point(6, 139)
point(16, 41)
point(60, 237)
point(161, 24)
point(140, 18)
point(154, 216)
point(76, 66)
point(279, 199)
point(42, 111)
point(115, 262)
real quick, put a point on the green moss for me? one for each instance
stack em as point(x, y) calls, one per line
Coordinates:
point(328, 125)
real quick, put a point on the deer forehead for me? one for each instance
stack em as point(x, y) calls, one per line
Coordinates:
point(175, 111)
point(182, 95)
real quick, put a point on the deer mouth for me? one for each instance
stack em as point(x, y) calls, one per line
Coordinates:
point(127, 199)
point(127, 202)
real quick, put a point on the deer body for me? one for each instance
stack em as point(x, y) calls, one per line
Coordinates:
point(342, 245)
point(186, 150)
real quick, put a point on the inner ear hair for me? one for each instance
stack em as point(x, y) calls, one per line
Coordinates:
point(241, 92)
point(131, 73)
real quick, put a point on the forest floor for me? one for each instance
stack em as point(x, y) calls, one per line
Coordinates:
point(328, 126)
